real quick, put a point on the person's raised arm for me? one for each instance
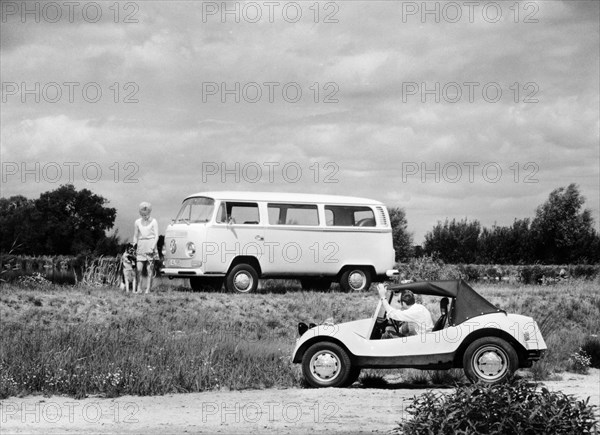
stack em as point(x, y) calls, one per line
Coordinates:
point(382, 295)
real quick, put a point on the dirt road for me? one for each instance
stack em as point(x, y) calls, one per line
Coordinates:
point(291, 411)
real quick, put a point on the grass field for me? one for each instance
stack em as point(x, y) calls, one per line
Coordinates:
point(99, 340)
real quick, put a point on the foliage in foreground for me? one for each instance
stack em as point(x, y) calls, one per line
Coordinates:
point(517, 407)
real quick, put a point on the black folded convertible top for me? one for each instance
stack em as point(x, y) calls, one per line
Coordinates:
point(468, 303)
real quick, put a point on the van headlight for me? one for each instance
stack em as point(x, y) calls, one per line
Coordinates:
point(190, 249)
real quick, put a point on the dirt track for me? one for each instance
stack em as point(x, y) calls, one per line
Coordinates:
point(291, 411)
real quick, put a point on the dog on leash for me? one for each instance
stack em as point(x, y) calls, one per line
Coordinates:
point(128, 266)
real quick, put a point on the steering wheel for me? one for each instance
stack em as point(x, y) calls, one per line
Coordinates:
point(383, 322)
point(396, 324)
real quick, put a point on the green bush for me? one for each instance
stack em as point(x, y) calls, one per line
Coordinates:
point(428, 268)
point(516, 407)
point(470, 272)
point(587, 271)
point(580, 362)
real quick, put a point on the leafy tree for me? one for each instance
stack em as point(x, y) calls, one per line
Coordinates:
point(562, 232)
point(63, 221)
point(19, 224)
point(110, 245)
point(76, 220)
point(402, 239)
point(454, 241)
point(505, 245)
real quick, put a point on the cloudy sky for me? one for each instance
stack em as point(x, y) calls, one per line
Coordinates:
point(447, 109)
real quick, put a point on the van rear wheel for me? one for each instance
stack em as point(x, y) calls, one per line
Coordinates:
point(355, 279)
point(242, 279)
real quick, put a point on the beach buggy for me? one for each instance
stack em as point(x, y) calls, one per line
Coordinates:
point(471, 333)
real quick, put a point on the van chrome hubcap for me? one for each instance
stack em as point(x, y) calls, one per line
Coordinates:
point(242, 281)
point(356, 280)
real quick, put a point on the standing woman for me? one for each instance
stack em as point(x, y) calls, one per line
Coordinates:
point(145, 236)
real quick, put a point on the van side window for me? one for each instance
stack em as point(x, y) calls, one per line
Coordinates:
point(293, 214)
point(349, 216)
point(238, 213)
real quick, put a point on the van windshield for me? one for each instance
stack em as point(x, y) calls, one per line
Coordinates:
point(196, 210)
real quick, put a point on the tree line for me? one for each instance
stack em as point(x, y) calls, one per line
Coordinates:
point(561, 232)
point(67, 221)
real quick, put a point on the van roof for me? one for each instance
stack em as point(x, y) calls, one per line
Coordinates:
point(286, 197)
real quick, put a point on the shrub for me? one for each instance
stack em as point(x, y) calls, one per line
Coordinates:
point(470, 272)
point(516, 407)
point(428, 268)
point(591, 347)
point(373, 380)
point(587, 271)
point(532, 274)
point(580, 362)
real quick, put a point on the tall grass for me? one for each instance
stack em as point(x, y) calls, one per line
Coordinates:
point(82, 340)
point(90, 340)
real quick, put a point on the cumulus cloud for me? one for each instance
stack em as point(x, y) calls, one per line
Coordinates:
point(378, 102)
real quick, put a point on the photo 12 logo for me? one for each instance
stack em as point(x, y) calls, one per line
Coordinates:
point(269, 92)
point(269, 172)
point(69, 412)
point(470, 92)
point(272, 252)
point(269, 412)
point(70, 12)
point(470, 12)
point(455, 172)
point(271, 11)
point(54, 172)
point(69, 92)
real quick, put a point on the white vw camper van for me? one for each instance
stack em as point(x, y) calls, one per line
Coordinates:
point(239, 237)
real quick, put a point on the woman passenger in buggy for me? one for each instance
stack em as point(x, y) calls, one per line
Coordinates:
point(415, 318)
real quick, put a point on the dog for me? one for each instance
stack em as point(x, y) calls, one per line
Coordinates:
point(128, 266)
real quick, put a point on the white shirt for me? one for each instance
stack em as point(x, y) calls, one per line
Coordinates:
point(145, 235)
point(416, 314)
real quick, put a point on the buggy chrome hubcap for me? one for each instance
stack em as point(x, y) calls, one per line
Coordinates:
point(242, 281)
point(490, 363)
point(356, 280)
point(325, 365)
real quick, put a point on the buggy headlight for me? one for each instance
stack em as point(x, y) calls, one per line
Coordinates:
point(190, 249)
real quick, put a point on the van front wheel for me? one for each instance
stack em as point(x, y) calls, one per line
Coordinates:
point(355, 279)
point(242, 279)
